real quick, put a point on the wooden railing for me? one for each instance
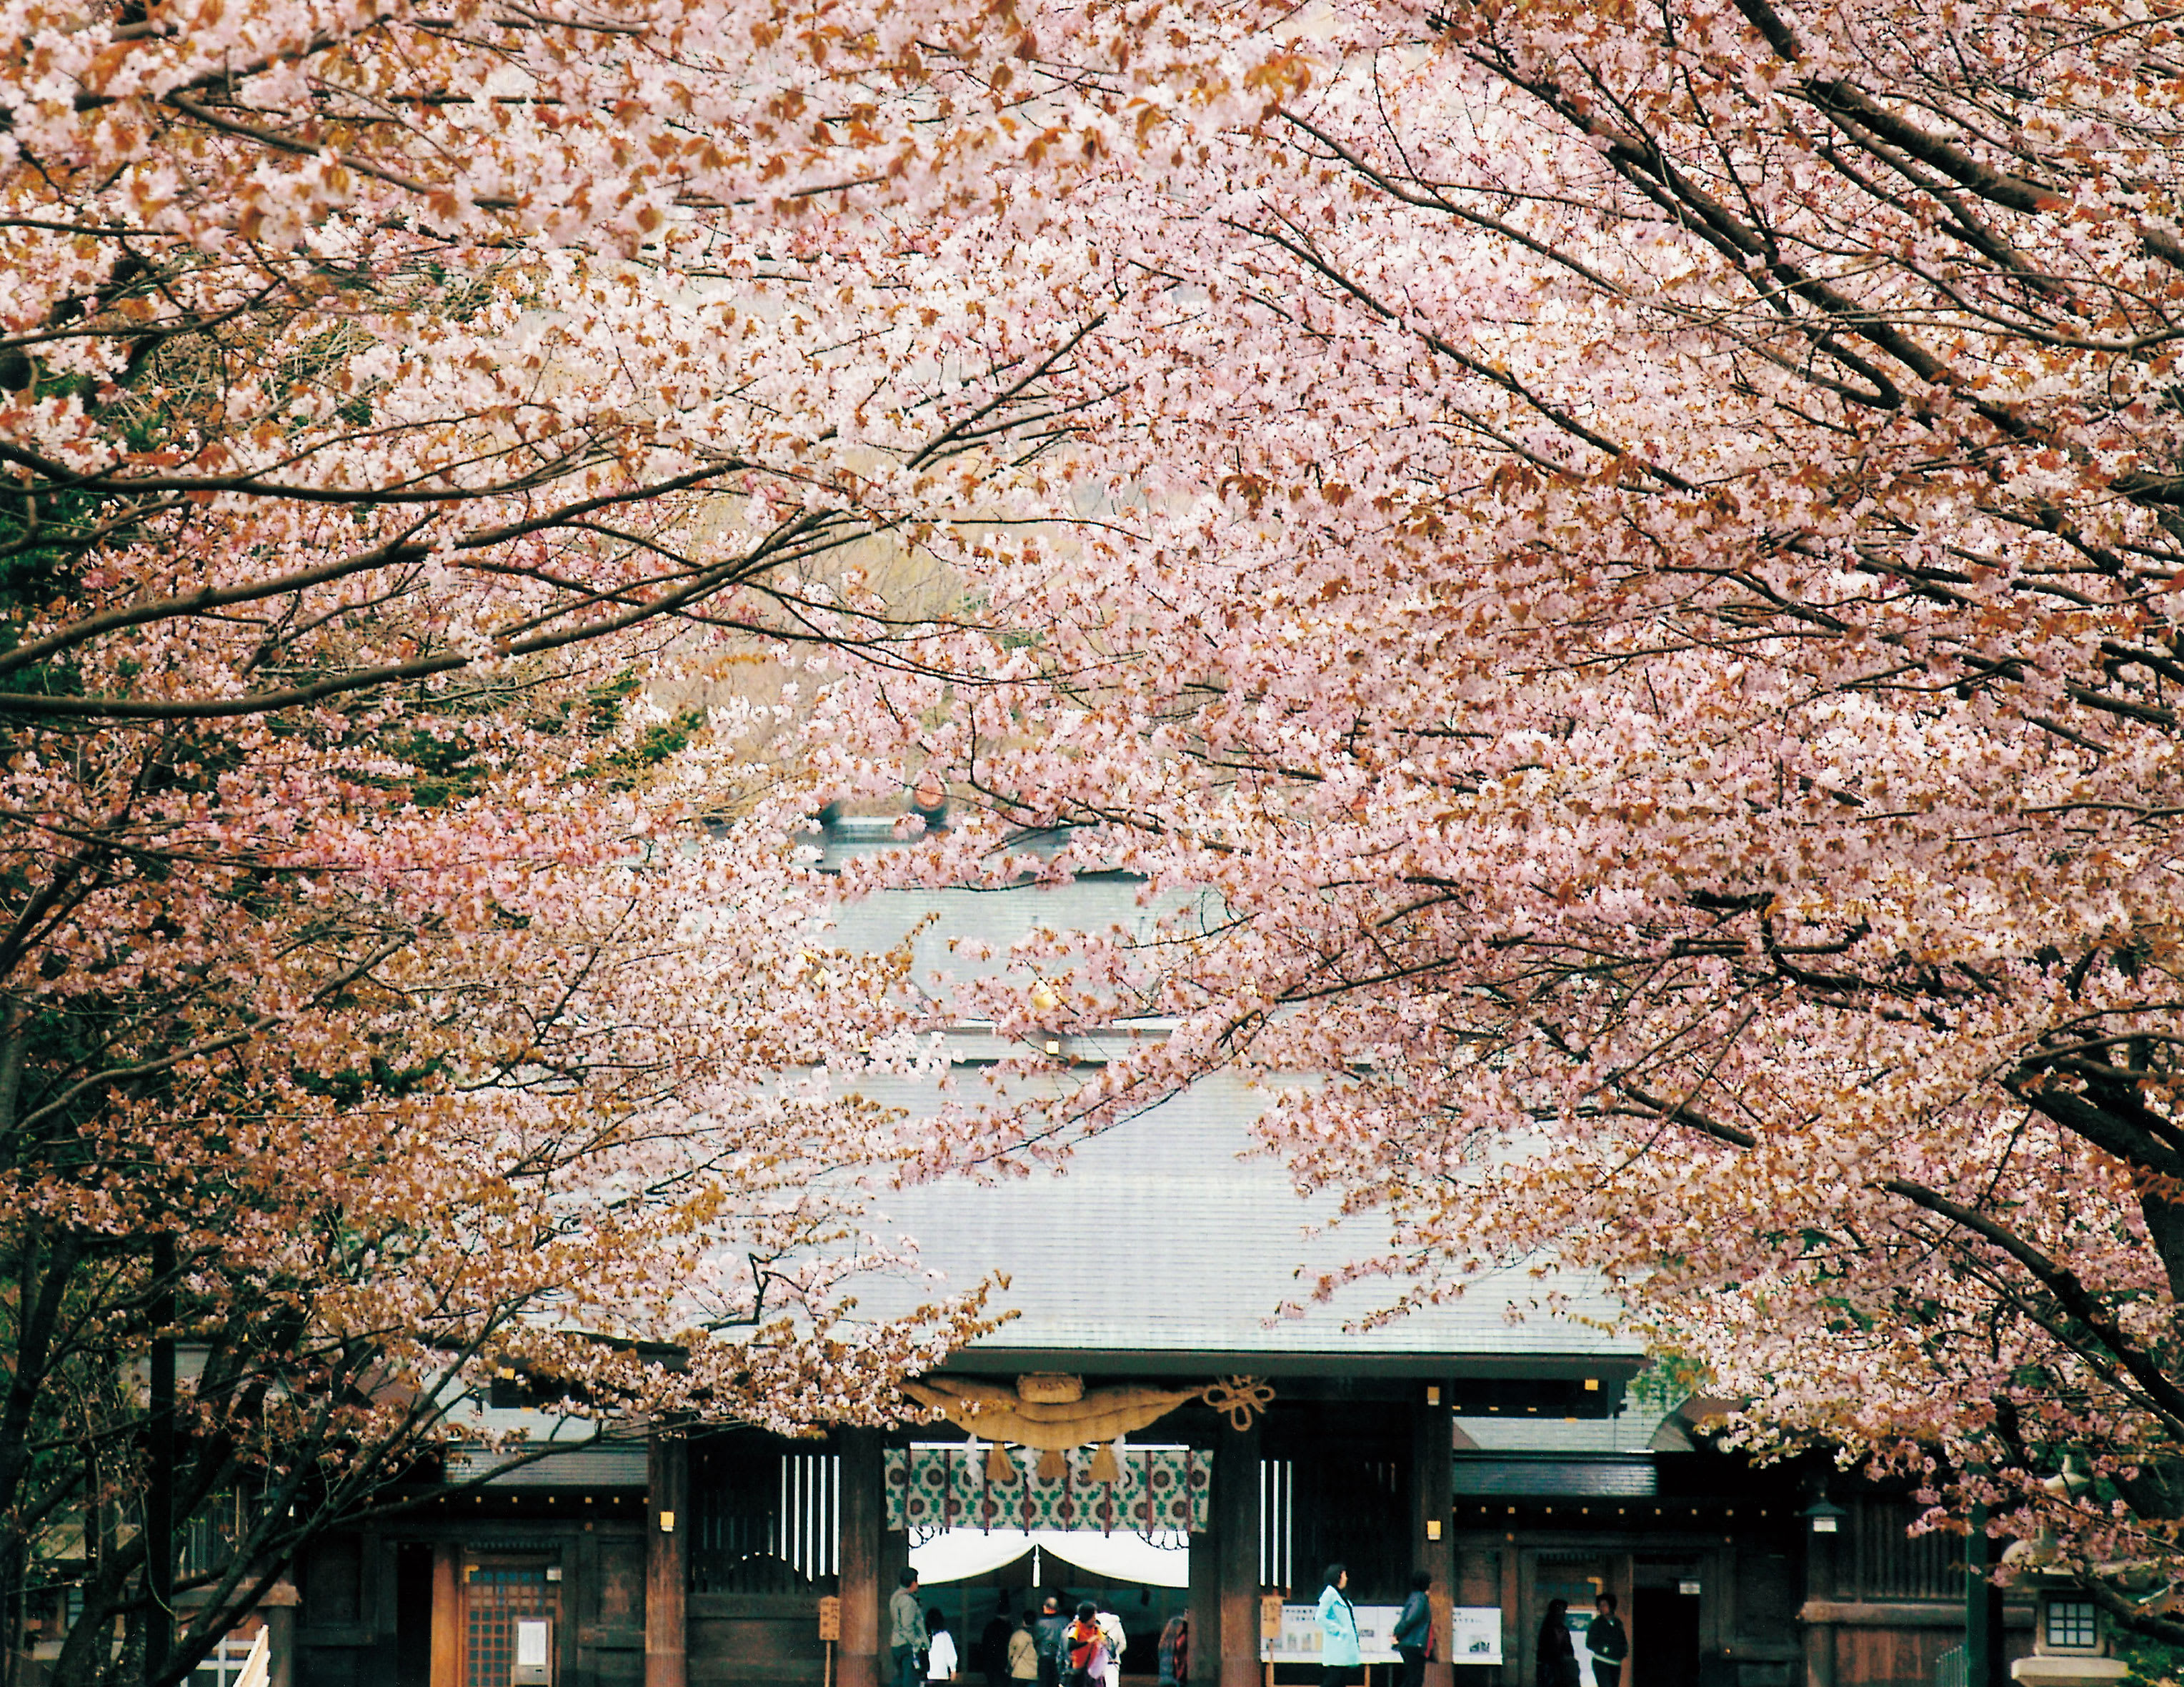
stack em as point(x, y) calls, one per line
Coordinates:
point(260, 1661)
point(236, 1663)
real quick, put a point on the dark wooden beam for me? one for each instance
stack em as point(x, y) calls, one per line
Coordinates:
point(864, 1522)
point(1433, 1527)
point(447, 1614)
point(667, 1562)
point(1204, 1600)
point(1235, 1549)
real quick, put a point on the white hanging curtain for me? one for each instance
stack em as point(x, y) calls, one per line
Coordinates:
point(957, 1555)
point(1163, 1561)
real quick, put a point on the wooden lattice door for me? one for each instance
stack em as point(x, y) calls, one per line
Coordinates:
point(495, 1593)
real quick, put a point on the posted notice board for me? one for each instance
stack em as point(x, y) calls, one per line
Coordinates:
point(1475, 1636)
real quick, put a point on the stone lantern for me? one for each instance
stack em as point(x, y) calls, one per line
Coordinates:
point(2071, 1643)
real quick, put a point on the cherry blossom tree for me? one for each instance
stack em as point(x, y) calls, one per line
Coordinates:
point(1619, 584)
point(397, 402)
point(427, 1097)
point(1633, 619)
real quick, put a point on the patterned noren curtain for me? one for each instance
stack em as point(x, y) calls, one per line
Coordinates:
point(949, 1487)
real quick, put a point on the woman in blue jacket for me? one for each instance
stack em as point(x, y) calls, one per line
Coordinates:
point(1338, 1630)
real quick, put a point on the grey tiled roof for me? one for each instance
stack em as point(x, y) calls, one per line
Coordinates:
point(577, 1467)
point(1631, 1430)
point(966, 919)
point(1164, 1243)
point(1602, 1475)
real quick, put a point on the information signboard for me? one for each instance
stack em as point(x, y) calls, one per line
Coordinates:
point(1298, 1640)
point(534, 1653)
point(1475, 1634)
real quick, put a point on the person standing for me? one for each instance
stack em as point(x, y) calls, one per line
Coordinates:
point(1110, 1636)
point(1414, 1629)
point(905, 1631)
point(1337, 1629)
point(940, 1659)
point(1175, 1652)
point(1084, 1650)
point(1554, 1662)
point(1051, 1625)
point(993, 1644)
point(1024, 1660)
point(1609, 1646)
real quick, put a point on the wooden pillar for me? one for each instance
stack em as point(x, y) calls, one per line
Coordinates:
point(667, 1561)
point(1236, 1555)
point(894, 1559)
point(1984, 1660)
point(1819, 1654)
point(580, 1611)
point(279, 1607)
point(1718, 1600)
point(1516, 1642)
point(1204, 1599)
point(864, 1528)
point(447, 1616)
point(1433, 1485)
point(1820, 1589)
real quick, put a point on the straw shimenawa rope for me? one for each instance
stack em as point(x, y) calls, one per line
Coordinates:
point(996, 1413)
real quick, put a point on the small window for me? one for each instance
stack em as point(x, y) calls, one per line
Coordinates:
point(333, 1581)
point(2071, 1622)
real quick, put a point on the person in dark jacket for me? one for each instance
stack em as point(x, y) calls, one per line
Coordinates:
point(906, 1633)
point(1555, 1662)
point(1047, 1630)
point(1608, 1643)
point(1414, 1629)
point(994, 1644)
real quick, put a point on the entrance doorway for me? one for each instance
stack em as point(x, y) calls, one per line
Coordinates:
point(496, 1592)
point(413, 1614)
point(1664, 1637)
point(982, 1581)
point(1575, 1577)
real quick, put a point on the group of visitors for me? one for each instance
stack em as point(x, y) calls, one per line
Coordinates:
point(1054, 1650)
point(1049, 1649)
point(1339, 1651)
point(1555, 1662)
point(1606, 1639)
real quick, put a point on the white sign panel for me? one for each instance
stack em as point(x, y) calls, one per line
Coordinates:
point(530, 1642)
point(1475, 1634)
point(1299, 1640)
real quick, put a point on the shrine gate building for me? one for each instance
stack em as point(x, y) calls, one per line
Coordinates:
point(1166, 1384)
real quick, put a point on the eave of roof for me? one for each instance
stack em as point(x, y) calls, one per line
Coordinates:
point(1611, 1368)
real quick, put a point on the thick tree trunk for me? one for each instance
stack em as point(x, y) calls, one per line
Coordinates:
point(2164, 1226)
point(14, 1557)
point(159, 1471)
